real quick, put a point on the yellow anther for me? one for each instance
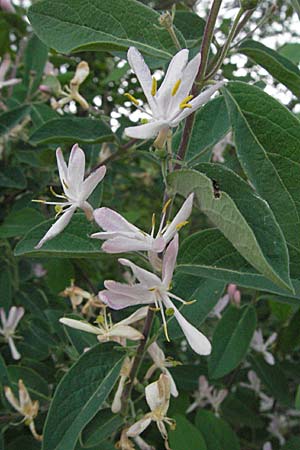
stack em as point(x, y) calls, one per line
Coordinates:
point(170, 311)
point(152, 289)
point(58, 209)
point(144, 121)
point(176, 87)
point(132, 99)
point(181, 224)
point(153, 220)
point(164, 210)
point(100, 319)
point(185, 102)
point(154, 86)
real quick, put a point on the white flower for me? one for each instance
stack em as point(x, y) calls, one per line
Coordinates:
point(267, 446)
point(254, 384)
point(207, 395)
point(9, 325)
point(121, 236)
point(25, 406)
point(78, 295)
point(153, 290)
point(106, 330)
point(160, 362)
point(233, 295)
point(171, 103)
point(124, 374)
point(4, 66)
point(278, 426)
point(158, 399)
point(76, 190)
point(260, 346)
point(72, 92)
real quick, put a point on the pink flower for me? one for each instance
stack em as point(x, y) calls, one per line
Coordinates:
point(76, 190)
point(4, 66)
point(9, 325)
point(121, 236)
point(7, 6)
point(260, 346)
point(151, 289)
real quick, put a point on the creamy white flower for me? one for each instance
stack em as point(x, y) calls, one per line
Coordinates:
point(154, 290)
point(160, 362)
point(107, 331)
point(72, 92)
point(25, 406)
point(4, 66)
point(260, 346)
point(158, 399)
point(266, 403)
point(8, 327)
point(121, 236)
point(76, 190)
point(78, 295)
point(207, 395)
point(124, 374)
point(171, 103)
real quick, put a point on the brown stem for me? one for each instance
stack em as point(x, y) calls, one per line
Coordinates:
point(137, 360)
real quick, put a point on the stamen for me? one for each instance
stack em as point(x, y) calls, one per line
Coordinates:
point(185, 102)
point(176, 87)
point(170, 312)
point(65, 184)
point(132, 99)
point(55, 194)
point(59, 210)
point(100, 319)
point(181, 224)
point(164, 210)
point(154, 86)
point(39, 201)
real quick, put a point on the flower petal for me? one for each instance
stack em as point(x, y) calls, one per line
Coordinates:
point(138, 315)
point(80, 325)
point(14, 352)
point(146, 278)
point(125, 331)
point(134, 291)
point(138, 427)
point(181, 217)
point(147, 130)
point(142, 71)
point(125, 244)
point(158, 394)
point(174, 73)
point(14, 316)
point(76, 167)
point(119, 301)
point(110, 220)
point(57, 227)
point(169, 262)
point(62, 169)
point(92, 181)
point(173, 386)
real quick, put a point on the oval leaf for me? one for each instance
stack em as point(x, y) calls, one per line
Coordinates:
point(186, 436)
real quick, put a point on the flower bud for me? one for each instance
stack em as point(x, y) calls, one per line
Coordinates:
point(249, 4)
point(82, 72)
point(166, 20)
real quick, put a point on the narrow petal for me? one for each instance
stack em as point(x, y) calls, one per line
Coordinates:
point(57, 227)
point(12, 399)
point(14, 317)
point(76, 166)
point(80, 325)
point(119, 301)
point(142, 71)
point(199, 343)
point(148, 279)
point(138, 427)
point(62, 168)
point(92, 181)
point(180, 218)
point(158, 394)
point(110, 220)
point(14, 352)
point(169, 262)
point(147, 130)
point(117, 403)
point(174, 73)
point(123, 244)
point(173, 386)
point(127, 332)
point(138, 315)
point(157, 354)
point(11, 82)
point(269, 358)
point(134, 291)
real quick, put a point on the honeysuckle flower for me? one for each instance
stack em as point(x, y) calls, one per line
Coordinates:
point(78, 295)
point(71, 92)
point(4, 66)
point(8, 327)
point(76, 190)
point(39, 270)
point(260, 346)
point(267, 446)
point(233, 295)
point(158, 399)
point(25, 406)
point(107, 331)
point(254, 384)
point(6, 5)
point(124, 374)
point(172, 102)
point(278, 426)
point(125, 443)
point(207, 395)
point(142, 444)
point(121, 236)
point(162, 363)
point(152, 290)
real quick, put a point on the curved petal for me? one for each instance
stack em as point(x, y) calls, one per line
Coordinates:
point(173, 386)
point(92, 181)
point(146, 278)
point(180, 218)
point(117, 403)
point(62, 168)
point(142, 71)
point(127, 332)
point(138, 315)
point(80, 325)
point(14, 352)
point(174, 73)
point(199, 343)
point(119, 301)
point(158, 394)
point(110, 220)
point(125, 244)
point(135, 290)
point(138, 427)
point(14, 317)
point(169, 262)
point(147, 130)
point(76, 166)
point(57, 227)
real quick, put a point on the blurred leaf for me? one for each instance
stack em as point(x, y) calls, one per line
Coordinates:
point(6, 288)
point(240, 413)
point(17, 223)
point(294, 442)
point(80, 395)
point(186, 436)
point(291, 50)
point(297, 398)
point(106, 25)
point(191, 27)
point(289, 338)
point(281, 68)
point(72, 129)
point(217, 433)
point(12, 177)
point(59, 274)
point(24, 443)
point(9, 119)
point(4, 374)
point(102, 427)
point(35, 58)
point(231, 340)
point(41, 113)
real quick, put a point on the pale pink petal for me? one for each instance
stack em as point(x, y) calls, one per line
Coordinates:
point(138, 315)
point(62, 169)
point(269, 358)
point(134, 291)
point(14, 352)
point(76, 166)
point(117, 401)
point(157, 354)
point(57, 227)
point(138, 427)
point(169, 262)
point(3, 317)
point(140, 68)
point(123, 244)
point(173, 386)
point(119, 301)
point(158, 244)
point(12, 399)
point(271, 339)
point(14, 317)
point(199, 343)
point(111, 221)
point(92, 181)
point(148, 279)
point(180, 218)
point(147, 130)
point(80, 325)
point(11, 82)
point(7, 6)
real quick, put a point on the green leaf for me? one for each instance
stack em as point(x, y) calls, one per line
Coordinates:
point(102, 427)
point(80, 395)
point(4, 375)
point(186, 436)
point(281, 68)
point(297, 398)
point(10, 119)
point(72, 129)
point(291, 51)
point(73, 242)
point(245, 219)
point(239, 413)
point(6, 288)
point(217, 433)
point(211, 125)
point(294, 442)
point(35, 58)
point(12, 177)
point(191, 26)
point(231, 340)
point(273, 378)
point(36, 385)
point(17, 223)
point(105, 25)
